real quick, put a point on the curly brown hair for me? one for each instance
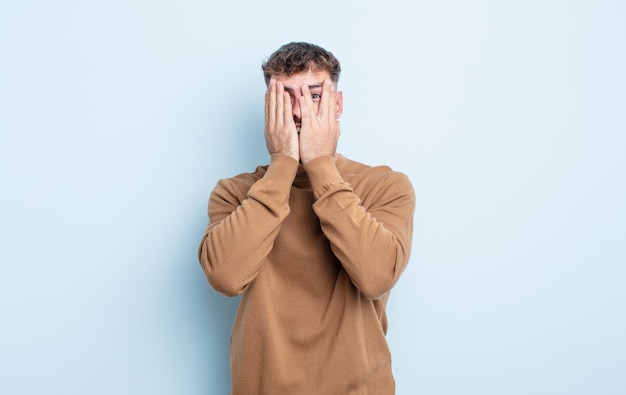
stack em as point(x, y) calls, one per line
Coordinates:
point(297, 57)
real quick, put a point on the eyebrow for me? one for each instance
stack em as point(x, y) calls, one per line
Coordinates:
point(290, 90)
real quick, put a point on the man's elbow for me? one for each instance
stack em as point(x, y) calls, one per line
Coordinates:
point(376, 287)
point(379, 282)
point(219, 277)
point(227, 285)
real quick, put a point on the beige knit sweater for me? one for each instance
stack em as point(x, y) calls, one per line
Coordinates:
point(315, 255)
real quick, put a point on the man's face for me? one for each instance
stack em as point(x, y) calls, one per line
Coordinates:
point(314, 79)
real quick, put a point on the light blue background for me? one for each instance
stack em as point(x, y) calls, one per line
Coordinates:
point(117, 118)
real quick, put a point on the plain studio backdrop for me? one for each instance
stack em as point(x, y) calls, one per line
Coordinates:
point(117, 118)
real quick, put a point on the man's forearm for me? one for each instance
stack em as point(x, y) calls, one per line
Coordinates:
point(371, 240)
point(241, 234)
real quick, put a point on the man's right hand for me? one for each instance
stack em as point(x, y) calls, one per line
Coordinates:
point(281, 136)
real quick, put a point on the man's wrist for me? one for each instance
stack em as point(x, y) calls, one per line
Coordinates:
point(322, 171)
point(282, 166)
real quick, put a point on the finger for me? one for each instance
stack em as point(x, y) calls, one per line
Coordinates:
point(305, 111)
point(270, 104)
point(328, 103)
point(308, 103)
point(279, 109)
point(324, 99)
point(266, 107)
point(287, 110)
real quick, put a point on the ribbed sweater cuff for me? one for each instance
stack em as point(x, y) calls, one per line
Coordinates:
point(282, 169)
point(322, 173)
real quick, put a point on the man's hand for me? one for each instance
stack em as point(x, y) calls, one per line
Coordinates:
point(320, 129)
point(281, 136)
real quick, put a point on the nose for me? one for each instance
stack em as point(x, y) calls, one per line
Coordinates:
point(295, 109)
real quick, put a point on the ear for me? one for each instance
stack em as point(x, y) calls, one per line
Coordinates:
point(339, 105)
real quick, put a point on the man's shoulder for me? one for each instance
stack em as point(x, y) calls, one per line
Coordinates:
point(373, 182)
point(253, 176)
point(243, 181)
point(357, 170)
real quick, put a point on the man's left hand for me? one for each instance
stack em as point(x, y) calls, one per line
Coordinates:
point(320, 131)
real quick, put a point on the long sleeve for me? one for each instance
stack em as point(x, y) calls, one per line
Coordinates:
point(243, 223)
point(314, 255)
point(369, 226)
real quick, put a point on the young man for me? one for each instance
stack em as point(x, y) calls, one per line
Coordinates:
point(313, 241)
